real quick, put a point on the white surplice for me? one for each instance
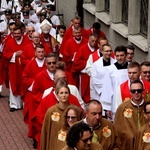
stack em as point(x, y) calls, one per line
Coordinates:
point(101, 83)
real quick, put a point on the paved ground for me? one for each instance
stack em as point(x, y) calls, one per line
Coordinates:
point(12, 128)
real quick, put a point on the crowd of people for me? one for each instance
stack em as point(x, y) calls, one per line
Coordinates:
point(75, 91)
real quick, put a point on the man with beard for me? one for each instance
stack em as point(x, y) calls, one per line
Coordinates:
point(12, 53)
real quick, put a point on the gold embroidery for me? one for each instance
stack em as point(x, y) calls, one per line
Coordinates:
point(62, 136)
point(146, 138)
point(128, 113)
point(55, 116)
point(106, 132)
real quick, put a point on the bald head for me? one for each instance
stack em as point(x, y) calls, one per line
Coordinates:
point(93, 40)
point(36, 38)
point(36, 34)
point(59, 74)
point(94, 113)
point(30, 30)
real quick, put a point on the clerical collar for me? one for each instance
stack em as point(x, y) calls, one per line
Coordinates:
point(19, 41)
point(78, 41)
point(119, 66)
point(91, 48)
point(106, 63)
point(134, 104)
point(40, 63)
point(51, 75)
point(93, 128)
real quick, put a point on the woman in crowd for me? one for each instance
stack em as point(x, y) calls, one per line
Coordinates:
point(46, 103)
point(72, 115)
point(54, 119)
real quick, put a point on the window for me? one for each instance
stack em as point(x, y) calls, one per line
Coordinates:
point(125, 11)
point(107, 6)
point(144, 17)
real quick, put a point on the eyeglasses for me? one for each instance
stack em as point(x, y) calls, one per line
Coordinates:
point(49, 63)
point(136, 90)
point(86, 140)
point(71, 117)
point(146, 72)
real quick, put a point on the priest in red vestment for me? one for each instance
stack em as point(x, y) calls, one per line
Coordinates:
point(42, 81)
point(79, 67)
point(31, 70)
point(45, 35)
point(29, 31)
point(12, 52)
point(68, 34)
point(72, 45)
point(96, 29)
point(11, 26)
point(29, 50)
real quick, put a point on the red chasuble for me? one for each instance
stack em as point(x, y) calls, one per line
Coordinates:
point(15, 69)
point(68, 35)
point(29, 74)
point(78, 65)
point(90, 31)
point(29, 53)
point(70, 48)
point(125, 91)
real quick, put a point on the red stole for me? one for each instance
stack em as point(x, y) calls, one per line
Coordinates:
point(95, 56)
point(125, 92)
